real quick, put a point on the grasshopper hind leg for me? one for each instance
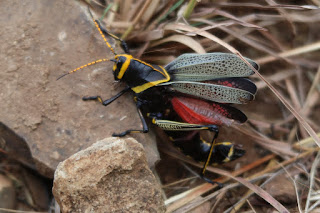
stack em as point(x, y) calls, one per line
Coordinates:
point(204, 168)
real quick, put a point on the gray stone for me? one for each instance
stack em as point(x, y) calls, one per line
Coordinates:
point(110, 176)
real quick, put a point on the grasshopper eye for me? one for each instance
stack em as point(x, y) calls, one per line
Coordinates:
point(115, 64)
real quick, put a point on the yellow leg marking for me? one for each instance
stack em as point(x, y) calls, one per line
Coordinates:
point(205, 142)
point(100, 100)
point(154, 121)
point(209, 157)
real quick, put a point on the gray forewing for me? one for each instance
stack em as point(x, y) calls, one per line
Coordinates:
point(213, 92)
point(201, 67)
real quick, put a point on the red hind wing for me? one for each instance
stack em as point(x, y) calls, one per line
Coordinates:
point(198, 111)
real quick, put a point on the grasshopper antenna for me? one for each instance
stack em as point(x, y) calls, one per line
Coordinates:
point(103, 32)
point(61, 76)
point(83, 66)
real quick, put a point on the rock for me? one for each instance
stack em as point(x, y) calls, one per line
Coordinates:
point(15, 146)
point(41, 40)
point(7, 193)
point(110, 176)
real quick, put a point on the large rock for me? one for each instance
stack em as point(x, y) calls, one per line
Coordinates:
point(40, 40)
point(110, 176)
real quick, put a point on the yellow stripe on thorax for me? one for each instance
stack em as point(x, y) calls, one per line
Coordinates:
point(125, 65)
point(145, 86)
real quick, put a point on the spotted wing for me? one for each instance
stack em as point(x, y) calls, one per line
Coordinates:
point(239, 83)
point(212, 92)
point(202, 67)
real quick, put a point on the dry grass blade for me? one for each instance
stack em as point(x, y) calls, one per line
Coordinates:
point(236, 207)
point(277, 147)
point(295, 187)
point(278, 76)
point(182, 199)
point(259, 191)
point(310, 18)
point(280, 165)
point(275, 167)
point(149, 36)
point(243, 32)
point(216, 194)
point(238, 20)
point(297, 51)
point(312, 177)
point(146, 16)
point(251, 206)
point(246, 40)
point(293, 111)
point(236, 34)
point(186, 40)
point(267, 125)
point(212, 25)
point(293, 93)
point(305, 143)
point(284, 6)
point(286, 162)
point(137, 18)
point(125, 10)
point(220, 196)
point(308, 102)
point(284, 14)
point(190, 29)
